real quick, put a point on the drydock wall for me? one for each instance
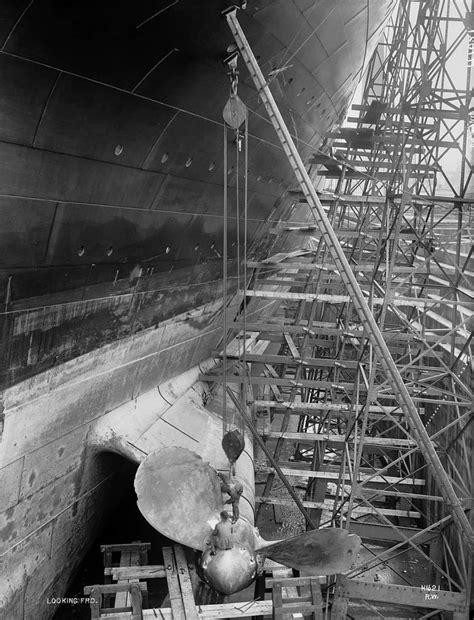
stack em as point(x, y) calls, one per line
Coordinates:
point(55, 487)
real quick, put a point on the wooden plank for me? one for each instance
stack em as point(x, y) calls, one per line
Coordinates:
point(357, 198)
point(329, 505)
point(393, 139)
point(122, 599)
point(246, 609)
point(316, 599)
point(382, 163)
point(136, 601)
point(385, 533)
point(107, 558)
point(136, 546)
point(293, 597)
point(174, 590)
point(285, 295)
point(291, 581)
point(340, 602)
point(95, 601)
point(109, 612)
point(343, 233)
point(377, 493)
point(364, 267)
point(405, 595)
point(424, 112)
point(317, 362)
point(311, 408)
point(340, 440)
point(330, 475)
point(136, 572)
point(111, 588)
point(417, 302)
point(297, 606)
point(187, 594)
point(284, 382)
point(277, 599)
point(287, 326)
point(291, 345)
point(353, 174)
point(329, 329)
point(291, 283)
point(135, 560)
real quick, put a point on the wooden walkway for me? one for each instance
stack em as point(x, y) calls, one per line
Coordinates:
point(127, 597)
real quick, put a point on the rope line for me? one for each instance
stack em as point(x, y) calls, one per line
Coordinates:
point(224, 288)
point(244, 317)
point(237, 208)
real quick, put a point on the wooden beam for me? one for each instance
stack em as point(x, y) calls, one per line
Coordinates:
point(316, 599)
point(380, 162)
point(290, 283)
point(343, 233)
point(291, 345)
point(388, 593)
point(329, 329)
point(381, 176)
point(112, 588)
point(340, 603)
point(330, 475)
point(329, 505)
point(317, 362)
point(187, 596)
point(385, 533)
point(339, 441)
point(364, 267)
point(417, 302)
point(374, 494)
point(119, 573)
point(130, 556)
point(391, 139)
point(173, 584)
point(246, 609)
point(305, 383)
point(363, 199)
point(290, 581)
point(277, 599)
point(138, 546)
point(460, 113)
point(313, 408)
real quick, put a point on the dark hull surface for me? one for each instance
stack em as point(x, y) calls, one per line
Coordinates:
point(111, 142)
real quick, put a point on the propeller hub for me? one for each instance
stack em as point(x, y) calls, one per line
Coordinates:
point(229, 570)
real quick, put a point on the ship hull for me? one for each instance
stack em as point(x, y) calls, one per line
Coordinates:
point(113, 158)
point(112, 143)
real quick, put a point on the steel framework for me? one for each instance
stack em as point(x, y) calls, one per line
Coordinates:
point(366, 371)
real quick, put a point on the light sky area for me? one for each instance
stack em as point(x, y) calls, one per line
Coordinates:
point(456, 78)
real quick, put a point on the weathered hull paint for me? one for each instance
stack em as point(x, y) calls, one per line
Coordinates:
point(73, 90)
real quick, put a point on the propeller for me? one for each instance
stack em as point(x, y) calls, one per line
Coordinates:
point(318, 552)
point(179, 494)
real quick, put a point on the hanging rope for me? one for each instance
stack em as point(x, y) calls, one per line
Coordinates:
point(224, 291)
point(237, 212)
point(235, 114)
point(244, 310)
